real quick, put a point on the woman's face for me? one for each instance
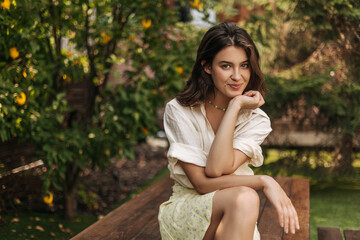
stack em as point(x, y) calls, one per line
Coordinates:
point(230, 72)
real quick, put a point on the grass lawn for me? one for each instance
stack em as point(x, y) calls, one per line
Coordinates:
point(32, 225)
point(339, 208)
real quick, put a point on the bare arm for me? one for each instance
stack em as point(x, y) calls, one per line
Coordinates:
point(287, 215)
point(222, 158)
point(204, 184)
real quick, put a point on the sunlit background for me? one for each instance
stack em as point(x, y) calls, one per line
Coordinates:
point(83, 84)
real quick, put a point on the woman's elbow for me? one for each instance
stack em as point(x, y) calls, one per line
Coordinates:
point(213, 173)
point(201, 189)
point(198, 188)
point(202, 185)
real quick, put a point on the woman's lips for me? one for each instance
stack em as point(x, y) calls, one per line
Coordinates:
point(235, 86)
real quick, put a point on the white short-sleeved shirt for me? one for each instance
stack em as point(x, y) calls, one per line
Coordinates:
point(191, 135)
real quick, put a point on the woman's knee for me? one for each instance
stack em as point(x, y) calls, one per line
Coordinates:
point(241, 198)
point(244, 199)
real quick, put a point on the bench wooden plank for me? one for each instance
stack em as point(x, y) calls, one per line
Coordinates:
point(142, 209)
point(329, 234)
point(137, 218)
point(300, 197)
point(268, 223)
point(352, 234)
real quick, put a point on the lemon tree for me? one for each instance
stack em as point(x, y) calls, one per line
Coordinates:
point(49, 48)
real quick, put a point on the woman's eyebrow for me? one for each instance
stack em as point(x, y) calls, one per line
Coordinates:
point(231, 62)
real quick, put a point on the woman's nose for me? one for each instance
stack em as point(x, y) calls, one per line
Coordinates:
point(236, 76)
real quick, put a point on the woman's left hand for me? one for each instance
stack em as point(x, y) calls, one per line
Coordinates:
point(287, 214)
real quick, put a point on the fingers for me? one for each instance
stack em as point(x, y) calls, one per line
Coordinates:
point(294, 220)
point(290, 217)
point(256, 95)
point(251, 93)
point(281, 218)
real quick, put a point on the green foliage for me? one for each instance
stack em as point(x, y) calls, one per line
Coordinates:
point(287, 33)
point(338, 104)
point(314, 164)
point(50, 48)
point(312, 61)
point(88, 198)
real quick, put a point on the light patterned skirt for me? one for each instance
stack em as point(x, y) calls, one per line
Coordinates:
point(186, 215)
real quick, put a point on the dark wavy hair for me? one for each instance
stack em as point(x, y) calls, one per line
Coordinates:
point(200, 85)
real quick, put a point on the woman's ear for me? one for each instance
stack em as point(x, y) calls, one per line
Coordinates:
point(207, 67)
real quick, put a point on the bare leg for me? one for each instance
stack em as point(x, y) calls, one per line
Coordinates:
point(234, 214)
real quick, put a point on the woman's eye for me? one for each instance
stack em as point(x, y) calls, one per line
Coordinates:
point(225, 66)
point(245, 65)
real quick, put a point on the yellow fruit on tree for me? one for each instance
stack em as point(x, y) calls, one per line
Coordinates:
point(106, 38)
point(20, 100)
point(146, 23)
point(14, 53)
point(195, 3)
point(48, 199)
point(6, 4)
point(180, 70)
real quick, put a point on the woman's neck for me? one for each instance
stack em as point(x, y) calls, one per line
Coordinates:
point(218, 101)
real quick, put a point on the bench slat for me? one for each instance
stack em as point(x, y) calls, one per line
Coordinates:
point(300, 197)
point(352, 234)
point(268, 224)
point(141, 212)
point(329, 234)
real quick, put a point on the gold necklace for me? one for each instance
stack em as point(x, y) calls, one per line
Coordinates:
point(215, 106)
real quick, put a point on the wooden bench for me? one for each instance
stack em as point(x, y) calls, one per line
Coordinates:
point(335, 234)
point(137, 218)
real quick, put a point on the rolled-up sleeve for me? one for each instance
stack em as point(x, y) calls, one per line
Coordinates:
point(184, 138)
point(249, 136)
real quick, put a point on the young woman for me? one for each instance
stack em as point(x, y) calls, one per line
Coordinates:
point(215, 129)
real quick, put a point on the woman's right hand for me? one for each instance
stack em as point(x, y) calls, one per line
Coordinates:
point(287, 214)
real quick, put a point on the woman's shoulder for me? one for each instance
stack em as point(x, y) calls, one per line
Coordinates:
point(175, 107)
point(260, 113)
point(173, 103)
point(175, 110)
point(246, 115)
